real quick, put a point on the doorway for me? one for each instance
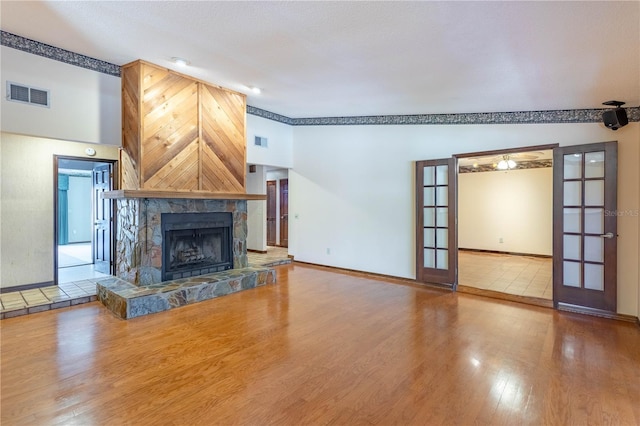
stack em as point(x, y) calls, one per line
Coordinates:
point(505, 226)
point(277, 207)
point(83, 231)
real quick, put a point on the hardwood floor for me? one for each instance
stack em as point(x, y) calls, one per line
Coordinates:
point(321, 347)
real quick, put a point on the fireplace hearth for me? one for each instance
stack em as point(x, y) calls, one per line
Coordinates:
point(196, 244)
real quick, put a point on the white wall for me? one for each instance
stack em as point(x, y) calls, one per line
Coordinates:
point(256, 210)
point(508, 211)
point(85, 105)
point(26, 204)
point(279, 152)
point(352, 189)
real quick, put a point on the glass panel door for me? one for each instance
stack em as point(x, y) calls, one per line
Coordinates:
point(584, 253)
point(436, 240)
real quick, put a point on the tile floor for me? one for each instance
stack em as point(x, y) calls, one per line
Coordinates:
point(520, 275)
point(25, 302)
point(78, 273)
point(74, 254)
point(69, 292)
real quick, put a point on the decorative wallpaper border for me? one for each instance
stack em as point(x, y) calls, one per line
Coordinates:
point(270, 115)
point(523, 117)
point(58, 54)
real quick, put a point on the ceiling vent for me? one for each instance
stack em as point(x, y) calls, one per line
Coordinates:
point(261, 141)
point(28, 95)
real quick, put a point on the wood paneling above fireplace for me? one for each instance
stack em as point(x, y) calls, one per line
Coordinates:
point(180, 134)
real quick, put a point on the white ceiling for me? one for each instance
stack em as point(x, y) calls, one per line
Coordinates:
point(325, 59)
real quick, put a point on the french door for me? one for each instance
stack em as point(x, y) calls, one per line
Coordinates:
point(585, 226)
point(436, 222)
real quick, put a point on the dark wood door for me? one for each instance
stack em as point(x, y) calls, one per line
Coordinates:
point(436, 222)
point(284, 212)
point(585, 226)
point(271, 212)
point(102, 215)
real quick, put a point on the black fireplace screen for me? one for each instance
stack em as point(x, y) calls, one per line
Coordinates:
point(196, 244)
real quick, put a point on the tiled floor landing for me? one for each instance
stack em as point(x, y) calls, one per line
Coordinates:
point(25, 302)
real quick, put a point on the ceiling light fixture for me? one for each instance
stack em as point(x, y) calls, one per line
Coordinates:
point(506, 163)
point(181, 62)
point(255, 90)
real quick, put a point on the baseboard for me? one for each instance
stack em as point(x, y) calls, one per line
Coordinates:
point(257, 251)
point(388, 278)
point(511, 253)
point(597, 313)
point(535, 301)
point(26, 287)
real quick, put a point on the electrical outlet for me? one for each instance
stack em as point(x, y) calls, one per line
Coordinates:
point(501, 240)
point(328, 250)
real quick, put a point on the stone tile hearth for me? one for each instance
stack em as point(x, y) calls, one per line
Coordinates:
point(128, 301)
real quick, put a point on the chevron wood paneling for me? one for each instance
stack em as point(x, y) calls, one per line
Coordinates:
point(180, 133)
point(130, 128)
point(180, 172)
point(170, 128)
point(129, 178)
point(223, 139)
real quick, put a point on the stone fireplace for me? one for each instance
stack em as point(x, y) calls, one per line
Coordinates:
point(198, 237)
point(196, 243)
point(181, 206)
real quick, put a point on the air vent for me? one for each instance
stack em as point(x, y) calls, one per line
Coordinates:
point(261, 141)
point(29, 95)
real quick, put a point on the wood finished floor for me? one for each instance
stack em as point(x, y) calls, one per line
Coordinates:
point(321, 347)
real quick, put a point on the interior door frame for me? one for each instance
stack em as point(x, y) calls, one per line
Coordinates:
point(274, 183)
point(56, 162)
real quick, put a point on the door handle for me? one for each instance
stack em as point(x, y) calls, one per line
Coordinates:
point(284, 216)
point(607, 235)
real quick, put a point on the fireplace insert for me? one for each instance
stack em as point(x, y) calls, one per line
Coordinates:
point(196, 244)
